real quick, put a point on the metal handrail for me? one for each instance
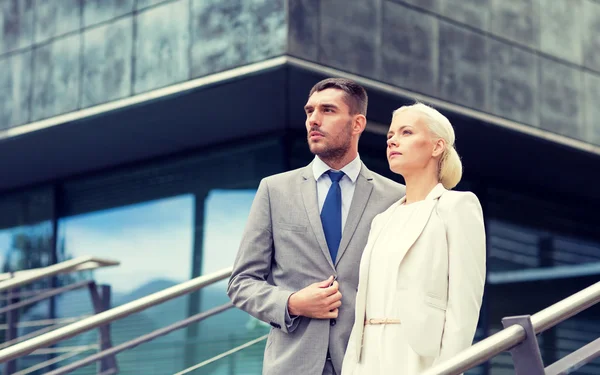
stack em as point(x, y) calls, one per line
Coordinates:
point(64, 349)
point(480, 352)
point(29, 335)
point(582, 355)
point(45, 295)
point(52, 361)
point(21, 278)
point(223, 355)
point(111, 315)
point(11, 282)
point(44, 322)
point(140, 340)
point(514, 335)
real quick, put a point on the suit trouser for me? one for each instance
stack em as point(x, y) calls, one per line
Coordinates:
point(328, 369)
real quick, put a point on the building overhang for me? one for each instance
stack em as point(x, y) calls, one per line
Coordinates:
point(268, 97)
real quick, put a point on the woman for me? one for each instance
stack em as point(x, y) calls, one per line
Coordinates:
point(423, 269)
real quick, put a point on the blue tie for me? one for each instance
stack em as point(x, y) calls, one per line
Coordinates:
point(331, 214)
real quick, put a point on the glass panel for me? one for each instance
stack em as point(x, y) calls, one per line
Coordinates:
point(226, 214)
point(153, 242)
point(536, 244)
point(26, 241)
point(162, 229)
point(512, 247)
point(166, 222)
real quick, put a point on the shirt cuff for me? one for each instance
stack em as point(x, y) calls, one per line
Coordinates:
point(291, 321)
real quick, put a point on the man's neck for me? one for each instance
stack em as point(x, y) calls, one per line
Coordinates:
point(341, 162)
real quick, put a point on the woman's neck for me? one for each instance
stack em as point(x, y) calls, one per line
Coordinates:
point(418, 187)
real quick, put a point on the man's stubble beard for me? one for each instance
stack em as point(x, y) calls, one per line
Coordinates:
point(336, 152)
point(333, 153)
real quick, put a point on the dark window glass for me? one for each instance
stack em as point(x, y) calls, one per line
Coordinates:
point(26, 242)
point(167, 222)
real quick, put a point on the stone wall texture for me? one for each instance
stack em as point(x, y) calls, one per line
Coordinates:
point(58, 56)
point(532, 61)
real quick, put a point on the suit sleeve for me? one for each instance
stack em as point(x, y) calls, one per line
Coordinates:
point(465, 234)
point(248, 287)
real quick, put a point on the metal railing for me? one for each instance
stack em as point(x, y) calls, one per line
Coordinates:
point(102, 319)
point(10, 284)
point(519, 334)
point(224, 354)
point(13, 280)
point(520, 337)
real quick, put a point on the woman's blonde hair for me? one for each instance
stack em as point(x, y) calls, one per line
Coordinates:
point(450, 167)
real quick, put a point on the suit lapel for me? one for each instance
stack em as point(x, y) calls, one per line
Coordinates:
point(362, 193)
point(311, 204)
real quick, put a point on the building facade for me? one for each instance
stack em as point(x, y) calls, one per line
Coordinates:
point(139, 130)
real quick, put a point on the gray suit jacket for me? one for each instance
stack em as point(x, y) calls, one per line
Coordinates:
point(283, 250)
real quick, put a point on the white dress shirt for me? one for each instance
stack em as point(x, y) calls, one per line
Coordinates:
point(347, 183)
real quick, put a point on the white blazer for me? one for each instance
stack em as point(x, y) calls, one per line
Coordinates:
point(441, 256)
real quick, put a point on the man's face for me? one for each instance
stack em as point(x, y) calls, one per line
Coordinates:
point(328, 123)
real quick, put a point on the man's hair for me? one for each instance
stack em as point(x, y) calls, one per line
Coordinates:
point(355, 95)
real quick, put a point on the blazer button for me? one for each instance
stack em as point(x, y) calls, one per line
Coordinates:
point(332, 322)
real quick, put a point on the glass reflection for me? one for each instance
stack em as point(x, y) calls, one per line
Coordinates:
point(153, 241)
point(226, 213)
point(21, 248)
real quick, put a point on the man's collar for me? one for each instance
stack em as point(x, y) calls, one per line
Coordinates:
point(352, 169)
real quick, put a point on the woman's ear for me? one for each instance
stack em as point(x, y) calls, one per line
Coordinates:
point(439, 146)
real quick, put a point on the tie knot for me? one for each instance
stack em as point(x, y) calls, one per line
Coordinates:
point(335, 176)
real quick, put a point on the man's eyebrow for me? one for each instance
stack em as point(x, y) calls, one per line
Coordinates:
point(322, 105)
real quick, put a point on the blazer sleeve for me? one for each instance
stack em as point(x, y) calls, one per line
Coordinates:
point(248, 287)
point(465, 234)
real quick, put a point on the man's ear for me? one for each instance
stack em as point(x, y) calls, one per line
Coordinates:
point(439, 146)
point(359, 124)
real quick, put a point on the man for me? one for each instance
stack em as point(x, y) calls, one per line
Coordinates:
point(296, 268)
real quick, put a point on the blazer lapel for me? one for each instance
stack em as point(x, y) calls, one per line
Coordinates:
point(362, 192)
point(363, 277)
point(406, 239)
point(413, 230)
point(417, 222)
point(311, 204)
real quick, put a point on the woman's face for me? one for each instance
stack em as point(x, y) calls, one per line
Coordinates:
point(410, 144)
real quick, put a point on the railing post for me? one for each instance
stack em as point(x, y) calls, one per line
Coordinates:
point(194, 298)
point(101, 302)
point(232, 356)
point(12, 317)
point(526, 356)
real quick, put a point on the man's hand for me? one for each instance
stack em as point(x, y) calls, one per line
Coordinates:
point(319, 300)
